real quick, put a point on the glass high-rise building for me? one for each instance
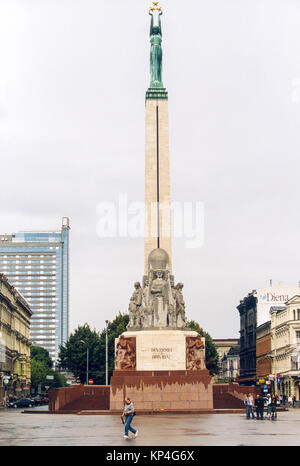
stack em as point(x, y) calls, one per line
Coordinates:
point(37, 264)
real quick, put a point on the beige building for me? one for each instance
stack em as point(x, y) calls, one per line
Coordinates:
point(229, 359)
point(223, 345)
point(285, 347)
point(15, 315)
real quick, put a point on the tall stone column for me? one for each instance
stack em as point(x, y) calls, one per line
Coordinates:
point(157, 169)
point(157, 177)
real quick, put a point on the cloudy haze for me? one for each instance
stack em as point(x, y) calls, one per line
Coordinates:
point(72, 134)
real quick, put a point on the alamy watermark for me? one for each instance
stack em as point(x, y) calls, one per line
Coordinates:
point(124, 219)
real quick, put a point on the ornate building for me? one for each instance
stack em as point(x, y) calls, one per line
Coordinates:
point(248, 314)
point(230, 364)
point(15, 315)
point(285, 347)
point(254, 311)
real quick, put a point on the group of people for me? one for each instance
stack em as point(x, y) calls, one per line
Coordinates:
point(258, 404)
point(291, 401)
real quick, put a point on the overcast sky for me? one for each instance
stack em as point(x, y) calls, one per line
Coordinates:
point(73, 76)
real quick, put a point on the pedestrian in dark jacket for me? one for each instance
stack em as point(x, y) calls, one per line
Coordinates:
point(259, 405)
point(274, 406)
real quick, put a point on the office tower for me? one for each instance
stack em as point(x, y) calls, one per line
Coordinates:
point(37, 264)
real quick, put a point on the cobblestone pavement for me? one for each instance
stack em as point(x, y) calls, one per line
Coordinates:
point(17, 428)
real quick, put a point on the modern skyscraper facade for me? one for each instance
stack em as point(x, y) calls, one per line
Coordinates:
point(37, 264)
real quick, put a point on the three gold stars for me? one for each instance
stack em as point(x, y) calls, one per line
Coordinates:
point(155, 6)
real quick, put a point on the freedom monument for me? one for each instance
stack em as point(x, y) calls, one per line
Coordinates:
point(159, 361)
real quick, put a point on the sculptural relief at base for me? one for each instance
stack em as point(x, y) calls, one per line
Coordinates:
point(125, 353)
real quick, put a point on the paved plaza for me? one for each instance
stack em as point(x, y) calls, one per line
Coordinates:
point(17, 428)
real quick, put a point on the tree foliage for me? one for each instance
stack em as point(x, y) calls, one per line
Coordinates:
point(41, 354)
point(73, 354)
point(41, 366)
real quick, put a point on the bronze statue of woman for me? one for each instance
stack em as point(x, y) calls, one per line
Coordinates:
point(155, 52)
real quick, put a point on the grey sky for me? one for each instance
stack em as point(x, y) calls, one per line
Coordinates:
point(72, 87)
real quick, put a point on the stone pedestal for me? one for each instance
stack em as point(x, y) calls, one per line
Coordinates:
point(161, 369)
point(160, 350)
point(169, 390)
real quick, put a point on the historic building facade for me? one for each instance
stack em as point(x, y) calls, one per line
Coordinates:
point(254, 311)
point(248, 314)
point(230, 364)
point(228, 350)
point(15, 316)
point(263, 354)
point(285, 347)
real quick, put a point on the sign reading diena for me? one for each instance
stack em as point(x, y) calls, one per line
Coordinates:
point(161, 353)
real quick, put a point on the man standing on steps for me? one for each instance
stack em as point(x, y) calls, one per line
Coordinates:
point(127, 415)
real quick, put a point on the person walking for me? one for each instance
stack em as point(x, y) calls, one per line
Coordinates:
point(269, 406)
point(274, 403)
point(259, 404)
point(251, 405)
point(247, 402)
point(127, 416)
point(294, 401)
point(246, 406)
point(290, 401)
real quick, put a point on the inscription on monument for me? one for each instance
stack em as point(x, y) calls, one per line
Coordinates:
point(161, 353)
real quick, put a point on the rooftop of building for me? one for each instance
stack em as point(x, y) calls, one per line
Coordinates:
point(226, 341)
point(15, 292)
point(263, 326)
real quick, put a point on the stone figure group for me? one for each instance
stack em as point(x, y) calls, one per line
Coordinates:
point(158, 304)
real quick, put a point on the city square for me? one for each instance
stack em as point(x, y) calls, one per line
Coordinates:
point(149, 226)
point(156, 430)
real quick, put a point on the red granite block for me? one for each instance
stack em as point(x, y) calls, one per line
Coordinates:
point(143, 405)
point(153, 396)
point(169, 396)
point(179, 404)
point(161, 405)
point(189, 396)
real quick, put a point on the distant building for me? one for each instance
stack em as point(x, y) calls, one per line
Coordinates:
point(285, 347)
point(230, 364)
point(224, 346)
point(254, 311)
point(15, 315)
point(37, 264)
point(263, 355)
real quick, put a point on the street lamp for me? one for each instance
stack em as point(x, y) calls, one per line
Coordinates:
point(106, 353)
point(87, 361)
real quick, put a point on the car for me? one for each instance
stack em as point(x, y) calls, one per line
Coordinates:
point(21, 403)
point(37, 400)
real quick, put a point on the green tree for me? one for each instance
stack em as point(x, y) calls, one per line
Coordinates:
point(41, 366)
point(72, 355)
point(39, 371)
point(211, 354)
point(114, 330)
point(41, 354)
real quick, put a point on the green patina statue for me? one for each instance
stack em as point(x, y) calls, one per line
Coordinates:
point(156, 51)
